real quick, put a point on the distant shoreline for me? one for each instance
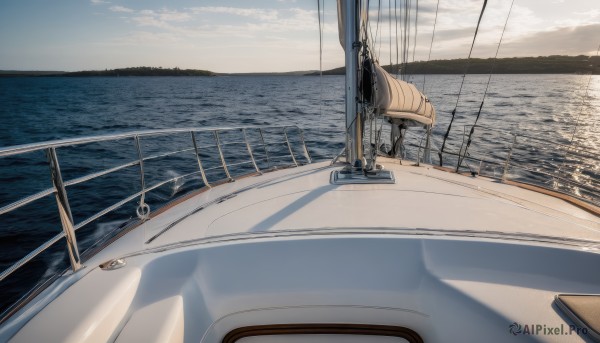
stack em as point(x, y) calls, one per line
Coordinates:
point(515, 65)
point(124, 72)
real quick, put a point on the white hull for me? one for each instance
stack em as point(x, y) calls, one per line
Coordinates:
point(452, 257)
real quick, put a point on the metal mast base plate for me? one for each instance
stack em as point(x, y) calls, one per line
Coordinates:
point(353, 176)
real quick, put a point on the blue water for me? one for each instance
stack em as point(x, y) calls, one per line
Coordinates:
point(549, 109)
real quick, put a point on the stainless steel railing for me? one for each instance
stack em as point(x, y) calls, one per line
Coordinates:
point(547, 164)
point(59, 186)
point(512, 156)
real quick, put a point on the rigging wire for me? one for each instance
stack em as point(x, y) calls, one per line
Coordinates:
point(390, 30)
point(460, 159)
point(403, 37)
point(461, 84)
point(321, 26)
point(400, 68)
point(416, 31)
point(373, 38)
point(377, 31)
point(396, 25)
point(366, 25)
point(406, 38)
point(431, 45)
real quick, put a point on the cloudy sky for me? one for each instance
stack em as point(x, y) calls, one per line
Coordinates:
point(271, 35)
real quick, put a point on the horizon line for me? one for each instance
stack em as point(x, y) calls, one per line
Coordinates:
point(266, 72)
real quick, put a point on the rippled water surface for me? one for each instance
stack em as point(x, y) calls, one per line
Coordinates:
point(557, 130)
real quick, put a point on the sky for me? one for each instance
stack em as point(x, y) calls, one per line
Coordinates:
point(274, 35)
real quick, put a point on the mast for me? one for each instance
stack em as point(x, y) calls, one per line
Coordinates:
point(354, 148)
point(355, 171)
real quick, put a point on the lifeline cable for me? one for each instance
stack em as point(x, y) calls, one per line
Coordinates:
point(460, 159)
point(461, 84)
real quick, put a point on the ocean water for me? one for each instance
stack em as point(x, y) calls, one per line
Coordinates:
point(555, 119)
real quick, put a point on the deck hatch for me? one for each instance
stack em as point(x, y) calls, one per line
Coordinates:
point(583, 310)
point(323, 329)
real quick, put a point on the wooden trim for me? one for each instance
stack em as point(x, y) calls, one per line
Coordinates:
point(574, 201)
point(323, 329)
point(591, 208)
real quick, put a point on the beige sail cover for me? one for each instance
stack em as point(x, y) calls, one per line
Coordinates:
point(394, 98)
point(402, 100)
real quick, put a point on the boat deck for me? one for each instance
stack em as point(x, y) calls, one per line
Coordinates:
point(290, 247)
point(422, 198)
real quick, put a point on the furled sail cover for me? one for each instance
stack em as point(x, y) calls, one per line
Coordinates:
point(399, 99)
point(394, 98)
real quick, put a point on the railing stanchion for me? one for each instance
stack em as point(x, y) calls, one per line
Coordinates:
point(64, 210)
point(262, 139)
point(250, 151)
point(460, 152)
point(202, 173)
point(304, 146)
point(427, 151)
point(223, 163)
point(507, 161)
point(143, 210)
point(287, 141)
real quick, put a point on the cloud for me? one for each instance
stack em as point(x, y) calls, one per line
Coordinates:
point(98, 2)
point(164, 19)
point(560, 41)
point(256, 13)
point(452, 34)
point(147, 38)
point(151, 20)
point(530, 31)
point(553, 41)
point(121, 9)
point(174, 16)
point(203, 22)
point(581, 18)
point(218, 33)
point(286, 35)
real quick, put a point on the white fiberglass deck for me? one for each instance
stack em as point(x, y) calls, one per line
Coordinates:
point(293, 248)
point(422, 198)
